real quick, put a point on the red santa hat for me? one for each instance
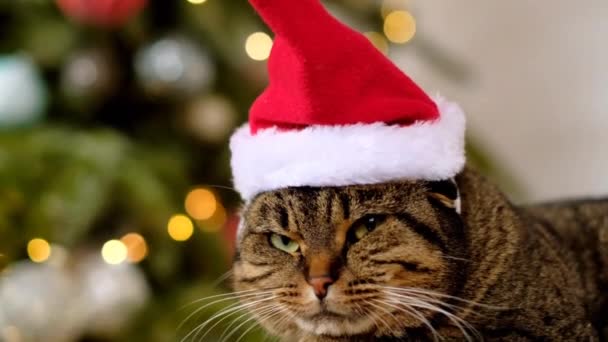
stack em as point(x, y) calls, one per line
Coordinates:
point(338, 112)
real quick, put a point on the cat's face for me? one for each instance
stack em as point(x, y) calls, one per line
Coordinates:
point(343, 261)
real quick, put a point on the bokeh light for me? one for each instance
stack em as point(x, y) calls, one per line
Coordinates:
point(258, 46)
point(200, 204)
point(197, 2)
point(38, 250)
point(378, 40)
point(180, 228)
point(399, 26)
point(114, 252)
point(137, 248)
point(216, 222)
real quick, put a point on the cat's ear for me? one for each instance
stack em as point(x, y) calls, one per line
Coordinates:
point(446, 192)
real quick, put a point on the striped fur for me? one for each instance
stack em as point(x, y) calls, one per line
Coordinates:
point(497, 271)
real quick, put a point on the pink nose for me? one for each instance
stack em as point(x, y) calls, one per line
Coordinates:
point(320, 285)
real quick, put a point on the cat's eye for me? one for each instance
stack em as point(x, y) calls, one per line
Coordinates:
point(284, 243)
point(361, 231)
point(363, 226)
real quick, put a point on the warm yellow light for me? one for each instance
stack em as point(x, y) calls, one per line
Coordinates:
point(258, 46)
point(216, 222)
point(196, 2)
point(399, 26)
point(378, 40)
point(200, 204)
point(38, 250)
point(114, 252)
point(180, 228)
point(137, 248)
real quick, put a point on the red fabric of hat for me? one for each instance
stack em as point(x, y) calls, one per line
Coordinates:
point(337, 112)
point(324, 73)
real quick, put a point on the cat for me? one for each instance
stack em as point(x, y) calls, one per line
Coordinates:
point(420, 261)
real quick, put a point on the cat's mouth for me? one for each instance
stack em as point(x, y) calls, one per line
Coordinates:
point(327, 322)
point(327, 314)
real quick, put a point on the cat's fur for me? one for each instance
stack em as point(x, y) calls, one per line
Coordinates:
point(520, 273)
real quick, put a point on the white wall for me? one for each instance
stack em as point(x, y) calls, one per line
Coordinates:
point(539, 96)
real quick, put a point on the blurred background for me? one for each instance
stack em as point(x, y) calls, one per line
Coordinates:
point(116, 211)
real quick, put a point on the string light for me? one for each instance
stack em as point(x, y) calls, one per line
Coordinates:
point(38, 250)
point(197, 2)
point(378, 40)
point(180, 228)
point(114, 252)
point(399, 26)
point(215, 222)
point(200, 204)
point(137, 248)
point(258, 46)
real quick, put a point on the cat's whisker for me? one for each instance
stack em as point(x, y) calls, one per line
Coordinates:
point(219, 295)
point(224, 187)
point(226, 316)
point(412, 312)
point(428, 299)
point(226, 297)
point(228, 310)
point(237, 319)
point(256, 310)
point(388, 327)
point(447, 256)
point(201, 325)
point(290, 315)
point(179, 327)
point(253, 325)
point(463, 325)
point(277, 310)
point(412, 290)
point(279, 324)
point(368, 314)
point(459, 322)
point(269, 309)
point(233, 312)
point(414, 302)
point(222, 278)
point(260, 311)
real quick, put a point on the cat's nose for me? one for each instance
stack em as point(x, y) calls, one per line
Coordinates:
point(320, 285)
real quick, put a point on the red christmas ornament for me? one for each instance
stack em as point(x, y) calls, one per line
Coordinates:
point(105, 13)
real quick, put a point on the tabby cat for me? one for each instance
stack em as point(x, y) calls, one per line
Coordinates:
point(423, 261)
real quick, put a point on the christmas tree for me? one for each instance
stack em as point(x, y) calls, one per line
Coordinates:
point(117, 219)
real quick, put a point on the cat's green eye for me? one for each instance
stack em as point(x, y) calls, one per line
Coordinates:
point(363, 226)
point(361, 231)
point(284, 243)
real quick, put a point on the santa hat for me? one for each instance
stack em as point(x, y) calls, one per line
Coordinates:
point(338, 112)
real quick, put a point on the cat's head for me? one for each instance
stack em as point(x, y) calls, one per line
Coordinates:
point(342, 261)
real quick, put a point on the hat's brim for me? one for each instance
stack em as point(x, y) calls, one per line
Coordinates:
point(347, 155)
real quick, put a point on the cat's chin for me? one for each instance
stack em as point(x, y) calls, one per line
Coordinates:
point(335, 325)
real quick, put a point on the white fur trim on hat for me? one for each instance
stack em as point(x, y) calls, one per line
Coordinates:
point(348, 155)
